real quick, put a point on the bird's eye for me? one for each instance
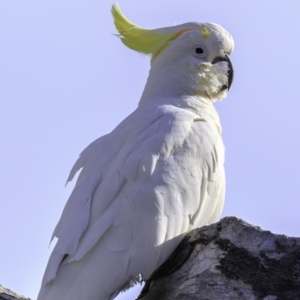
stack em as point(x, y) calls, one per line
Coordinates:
point(200, 51)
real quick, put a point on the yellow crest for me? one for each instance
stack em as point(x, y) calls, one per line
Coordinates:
point(205, 32)
point(140, 39)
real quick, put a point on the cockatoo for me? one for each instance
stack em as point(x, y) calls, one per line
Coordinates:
point(155, 177)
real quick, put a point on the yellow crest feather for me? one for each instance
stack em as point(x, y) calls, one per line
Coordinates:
point(205, 33)
point(140, 39)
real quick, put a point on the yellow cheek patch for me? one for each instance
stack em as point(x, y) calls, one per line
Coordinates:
point(205, 32)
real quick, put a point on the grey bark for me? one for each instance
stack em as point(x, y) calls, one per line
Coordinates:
point(229, 260)
point(6, 294)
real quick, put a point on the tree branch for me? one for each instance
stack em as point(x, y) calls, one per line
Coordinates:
point(229, 260)
point(6, 294)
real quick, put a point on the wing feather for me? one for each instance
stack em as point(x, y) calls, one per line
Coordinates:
point(141, 188)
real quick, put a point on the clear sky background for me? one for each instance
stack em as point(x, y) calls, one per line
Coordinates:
point(65, 80)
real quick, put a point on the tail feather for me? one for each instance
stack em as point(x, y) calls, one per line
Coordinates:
point(81, 279)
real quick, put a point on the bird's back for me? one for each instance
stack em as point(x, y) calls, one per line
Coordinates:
point(141, 188)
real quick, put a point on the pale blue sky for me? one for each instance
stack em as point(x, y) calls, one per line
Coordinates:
point(66, 80)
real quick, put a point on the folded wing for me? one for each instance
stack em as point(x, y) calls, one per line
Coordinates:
point(141, 188)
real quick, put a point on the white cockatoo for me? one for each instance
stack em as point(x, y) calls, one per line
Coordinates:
point(156, 176)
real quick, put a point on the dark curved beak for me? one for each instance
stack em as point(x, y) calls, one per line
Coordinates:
point(230, 71)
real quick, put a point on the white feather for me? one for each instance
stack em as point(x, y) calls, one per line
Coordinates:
point(143, 186)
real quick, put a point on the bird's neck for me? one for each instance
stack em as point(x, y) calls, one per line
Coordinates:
point(173, 89)
point(165, 82)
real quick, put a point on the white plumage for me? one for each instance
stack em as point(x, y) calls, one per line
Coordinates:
point(156, 176)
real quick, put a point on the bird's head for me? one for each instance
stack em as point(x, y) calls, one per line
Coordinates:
point(192, 58)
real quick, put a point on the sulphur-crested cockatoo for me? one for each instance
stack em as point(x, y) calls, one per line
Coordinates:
point(156, 176)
